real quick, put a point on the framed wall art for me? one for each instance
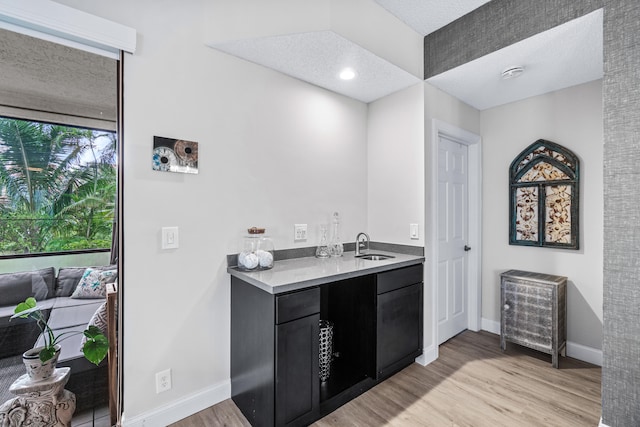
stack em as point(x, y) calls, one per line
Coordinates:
point(544, 197)
point(174, 155)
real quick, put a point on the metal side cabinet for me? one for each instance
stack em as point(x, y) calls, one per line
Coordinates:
point(533, 314)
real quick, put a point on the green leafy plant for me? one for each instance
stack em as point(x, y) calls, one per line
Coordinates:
point(95, 348)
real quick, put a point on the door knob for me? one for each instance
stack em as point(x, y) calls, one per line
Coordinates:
point(466, 248)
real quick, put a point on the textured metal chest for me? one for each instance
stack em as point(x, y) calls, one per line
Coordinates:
point(533, 311)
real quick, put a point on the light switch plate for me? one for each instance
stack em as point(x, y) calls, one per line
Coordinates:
point(413, 232)
point(170, 238)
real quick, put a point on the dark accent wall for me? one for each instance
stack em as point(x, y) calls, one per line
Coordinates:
point(497, 24)
point(501, 23)
point(621, 108)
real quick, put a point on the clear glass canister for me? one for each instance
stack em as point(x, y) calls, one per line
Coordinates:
point(256, 251)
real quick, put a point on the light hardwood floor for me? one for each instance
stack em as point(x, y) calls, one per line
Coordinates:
point(471, 384)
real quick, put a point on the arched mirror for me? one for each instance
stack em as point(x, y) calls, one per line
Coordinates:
point(544, 189)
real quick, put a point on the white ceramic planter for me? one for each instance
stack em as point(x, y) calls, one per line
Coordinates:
point(37, 370)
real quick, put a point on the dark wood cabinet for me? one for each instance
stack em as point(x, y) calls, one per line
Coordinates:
point(398, 319)
point(274, 355)
point(297, 381)
point(377, 325)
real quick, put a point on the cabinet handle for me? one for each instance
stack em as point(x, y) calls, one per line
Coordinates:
point(506, 307)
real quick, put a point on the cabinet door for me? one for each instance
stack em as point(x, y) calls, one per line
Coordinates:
point(399, 327)
point(297, 381)
point(527, 313)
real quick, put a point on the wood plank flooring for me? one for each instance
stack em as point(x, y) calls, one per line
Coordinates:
point(471, 384)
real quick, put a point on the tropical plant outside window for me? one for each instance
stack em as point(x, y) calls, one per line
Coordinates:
point(57, 187)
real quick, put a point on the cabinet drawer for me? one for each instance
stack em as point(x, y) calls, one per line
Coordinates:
point(396, 279)
point(297, 304)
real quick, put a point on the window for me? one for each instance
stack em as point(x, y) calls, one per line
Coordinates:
point(57, 187)
point(544, 187)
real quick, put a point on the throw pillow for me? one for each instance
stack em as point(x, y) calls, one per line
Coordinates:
point(93, 283)
point(99, 320)
point(69, 277)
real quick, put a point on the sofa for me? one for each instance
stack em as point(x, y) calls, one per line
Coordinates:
point(67, 310)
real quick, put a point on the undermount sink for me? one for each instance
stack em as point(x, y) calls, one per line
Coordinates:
point(375, 257)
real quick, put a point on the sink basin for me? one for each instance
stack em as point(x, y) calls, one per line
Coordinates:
point(375, 257)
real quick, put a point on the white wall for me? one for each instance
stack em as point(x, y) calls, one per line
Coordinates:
point(273, 152)
point(572, 118)
point(445, 108)
point(395, 155)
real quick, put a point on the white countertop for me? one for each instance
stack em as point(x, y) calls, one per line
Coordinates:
point(299, 273)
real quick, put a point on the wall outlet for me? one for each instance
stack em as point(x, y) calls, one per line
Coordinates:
point(300, 232)
point(413, 232)
point(163, 381)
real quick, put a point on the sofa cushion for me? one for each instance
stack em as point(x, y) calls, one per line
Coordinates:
point(67, 280)
point(16, 287)
point(14, 291)
point(69, 277)
point(65, 315)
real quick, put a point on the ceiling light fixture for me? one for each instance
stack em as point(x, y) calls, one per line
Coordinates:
point(347, 74)
point(512, 72)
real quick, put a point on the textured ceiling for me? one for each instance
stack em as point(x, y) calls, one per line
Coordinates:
point(318, 57)
point(564, 56)
point(561, 57)
point(44, 76)
point(426, 16)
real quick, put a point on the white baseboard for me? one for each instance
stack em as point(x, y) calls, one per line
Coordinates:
point(584, 353)
point(601, 424)
point(490, 326)
point(429, 354)
point(181, 408)
point(577, 351)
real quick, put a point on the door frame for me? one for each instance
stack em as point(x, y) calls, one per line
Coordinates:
point(474, 282)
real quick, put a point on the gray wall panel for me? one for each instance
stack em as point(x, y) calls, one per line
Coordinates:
point(495, 25)
point(503, 22)
point(621, 99)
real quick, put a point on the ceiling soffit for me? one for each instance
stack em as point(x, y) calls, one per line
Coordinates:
point(385, 54)
point(319, 57)
point(564, 56)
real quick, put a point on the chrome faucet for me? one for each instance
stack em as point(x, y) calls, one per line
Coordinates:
point(361, 244)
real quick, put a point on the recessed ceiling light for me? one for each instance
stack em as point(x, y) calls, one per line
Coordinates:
point(347, 74)
point(512, 72)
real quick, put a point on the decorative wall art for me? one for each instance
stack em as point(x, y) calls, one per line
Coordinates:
point(544, 187)
point(174, 155)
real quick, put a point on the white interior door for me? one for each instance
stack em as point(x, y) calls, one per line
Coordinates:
point(453, 230)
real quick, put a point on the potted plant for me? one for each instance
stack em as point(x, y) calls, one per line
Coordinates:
point(41, 361)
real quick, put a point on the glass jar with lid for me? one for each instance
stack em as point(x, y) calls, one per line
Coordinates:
point(256, 251)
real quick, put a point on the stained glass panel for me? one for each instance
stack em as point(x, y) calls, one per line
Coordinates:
point(544, 151)
point(558, 214)
point(543, 171)
point(527, 214)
